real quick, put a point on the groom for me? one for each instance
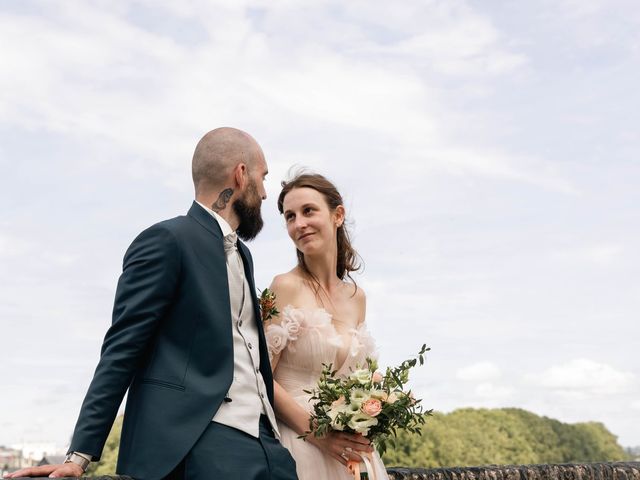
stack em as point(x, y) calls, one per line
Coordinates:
point(187, 342)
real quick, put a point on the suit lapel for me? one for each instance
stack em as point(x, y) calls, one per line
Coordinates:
point(205, 219)
point(248, 273)
point(265, 365)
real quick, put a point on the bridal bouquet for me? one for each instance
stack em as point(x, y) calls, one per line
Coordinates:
point(367, 402)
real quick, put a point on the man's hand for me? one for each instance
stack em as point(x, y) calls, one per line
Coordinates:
point(53, 471)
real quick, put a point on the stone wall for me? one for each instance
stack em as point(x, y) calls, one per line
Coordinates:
point(588, 471)
point(585, 471)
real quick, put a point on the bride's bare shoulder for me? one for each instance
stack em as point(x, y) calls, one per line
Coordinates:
point(288, 284)
point(360, 300)
point(356, 293)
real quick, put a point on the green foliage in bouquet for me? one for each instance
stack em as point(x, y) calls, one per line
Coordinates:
point(367, 402)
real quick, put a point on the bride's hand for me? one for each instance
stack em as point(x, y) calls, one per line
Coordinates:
point(342, 446)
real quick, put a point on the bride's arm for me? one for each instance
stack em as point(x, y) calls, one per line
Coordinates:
point(286, 289)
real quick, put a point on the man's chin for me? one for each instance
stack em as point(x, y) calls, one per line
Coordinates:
point(248, 233)
point(251, 221)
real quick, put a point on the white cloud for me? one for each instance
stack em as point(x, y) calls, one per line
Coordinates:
point(121, 84)
point(581, 8)
point(12, 247)
point(469, 47)
point(581, 377)
point(479, 372)
point(602, 255)
point(493, 392)
point(449, 38)
point(462, 160)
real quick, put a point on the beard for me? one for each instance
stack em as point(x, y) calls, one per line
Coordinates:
point(248, 210)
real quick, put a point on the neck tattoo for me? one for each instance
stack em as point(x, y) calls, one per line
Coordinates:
point(223, 199)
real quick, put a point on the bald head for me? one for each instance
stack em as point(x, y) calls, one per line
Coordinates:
point(218, 153)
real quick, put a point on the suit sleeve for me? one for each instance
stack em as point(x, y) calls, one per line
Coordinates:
point(145, 291)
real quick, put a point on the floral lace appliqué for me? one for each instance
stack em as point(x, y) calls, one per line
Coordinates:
point(277, 338)
point(288, 331)
point(296, 322)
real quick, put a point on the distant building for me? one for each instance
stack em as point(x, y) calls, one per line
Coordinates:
point(52, 460)
point(634, 453)
point(10, 460)
point(28, 455)
point(34, 452)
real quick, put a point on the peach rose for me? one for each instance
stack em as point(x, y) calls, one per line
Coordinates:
point(372, 407)
point(377, 377)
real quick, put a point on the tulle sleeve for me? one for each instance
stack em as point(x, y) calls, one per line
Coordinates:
point(276, 339)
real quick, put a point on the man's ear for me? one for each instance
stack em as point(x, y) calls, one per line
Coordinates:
point(241, 176)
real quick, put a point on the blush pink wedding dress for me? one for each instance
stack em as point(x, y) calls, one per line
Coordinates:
point(305, 339)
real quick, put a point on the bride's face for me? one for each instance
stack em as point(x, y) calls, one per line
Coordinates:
point(310, 223)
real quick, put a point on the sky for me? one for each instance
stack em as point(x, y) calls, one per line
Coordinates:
point(487, 153)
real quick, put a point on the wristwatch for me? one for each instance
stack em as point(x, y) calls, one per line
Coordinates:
point(78, 459)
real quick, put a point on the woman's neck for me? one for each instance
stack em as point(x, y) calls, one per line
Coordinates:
point(323, 269)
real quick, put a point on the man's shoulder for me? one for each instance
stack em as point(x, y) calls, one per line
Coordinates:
point(175, 223)
point(170, 229)
point(171, 225)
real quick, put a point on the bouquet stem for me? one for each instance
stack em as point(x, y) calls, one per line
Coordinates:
point(357, 472)
point(354, 468)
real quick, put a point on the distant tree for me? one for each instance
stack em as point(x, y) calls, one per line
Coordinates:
point(514, 436)
point(595, 441)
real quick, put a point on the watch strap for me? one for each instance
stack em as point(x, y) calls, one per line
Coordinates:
point(79, 459)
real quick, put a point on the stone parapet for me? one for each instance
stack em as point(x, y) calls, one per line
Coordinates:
point(570, 471)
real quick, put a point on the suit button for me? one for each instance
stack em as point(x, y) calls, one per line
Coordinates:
point(262, 395)
point(240, 323)
point(257, 370)
point(249, 345)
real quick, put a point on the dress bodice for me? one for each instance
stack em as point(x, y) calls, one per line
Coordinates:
point(306, 339)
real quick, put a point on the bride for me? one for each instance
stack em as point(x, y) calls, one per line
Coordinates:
point(321, 320)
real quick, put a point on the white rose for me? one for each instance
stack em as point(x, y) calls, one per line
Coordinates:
point(361, 423)
point(358, 396)
point(333, 415)
point(362, 376)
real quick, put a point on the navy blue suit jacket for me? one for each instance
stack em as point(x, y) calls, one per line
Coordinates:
point(170, 344)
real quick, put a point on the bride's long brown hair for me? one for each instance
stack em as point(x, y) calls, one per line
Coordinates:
point(348, 259)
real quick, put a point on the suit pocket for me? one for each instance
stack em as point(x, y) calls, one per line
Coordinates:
point(160, 383)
